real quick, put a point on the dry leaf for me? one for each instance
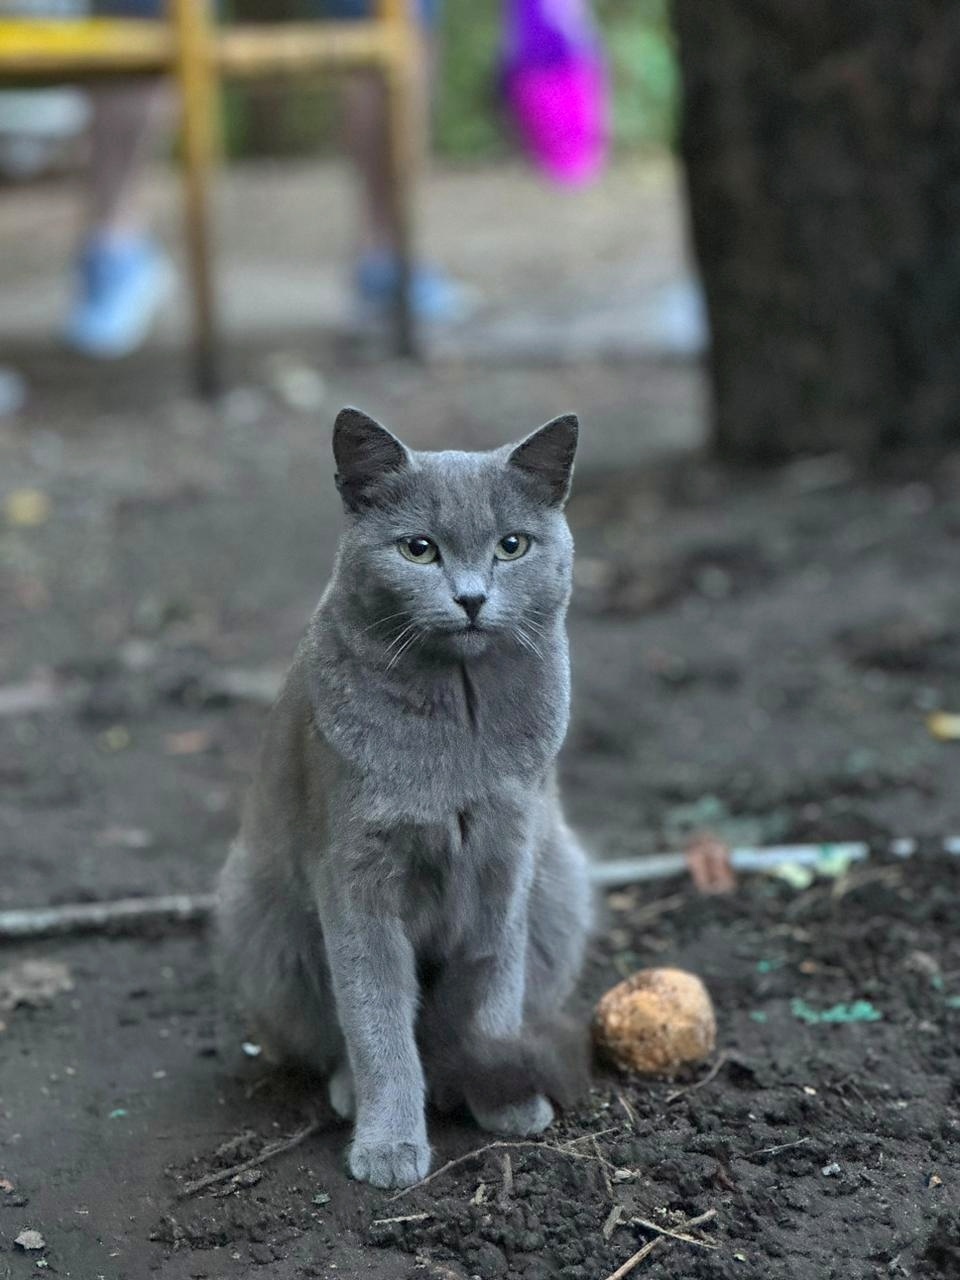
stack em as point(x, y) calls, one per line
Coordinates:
point(27, 508)
point(189, 743)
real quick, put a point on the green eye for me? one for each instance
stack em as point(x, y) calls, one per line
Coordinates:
point(418, 550)
point(512, 547)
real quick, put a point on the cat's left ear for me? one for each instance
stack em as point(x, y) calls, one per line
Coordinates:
point(546, 458)
point(366, 454)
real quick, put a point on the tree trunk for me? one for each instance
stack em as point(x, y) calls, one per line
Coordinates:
point(822, 145)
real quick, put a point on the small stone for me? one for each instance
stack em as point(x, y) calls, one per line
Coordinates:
point(656, 1021)
point(28, 1240)
point(831, 1170)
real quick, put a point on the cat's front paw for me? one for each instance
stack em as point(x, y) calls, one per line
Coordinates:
point(389, 1164)
point(519, 1119)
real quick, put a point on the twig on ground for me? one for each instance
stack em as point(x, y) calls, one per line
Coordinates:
point(604, 1168)
point(407, 1217)
point(680, 1235)
point(654, 910)
point(773, 1151)
point(637, 1258)
point(698, 1084)
point(612, 1222)
point(123, 915)
point(631, 1114)
point(661, 1241)
point(268, 1153)
point(503, 1145)
point(506, 1185)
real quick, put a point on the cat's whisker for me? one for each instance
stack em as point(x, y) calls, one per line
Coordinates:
point(404, 647)
point(404, 631)
point(541, 631)
point(402, 613)
point(523, 639)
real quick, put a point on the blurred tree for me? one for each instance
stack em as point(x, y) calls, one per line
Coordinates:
point(822, 144)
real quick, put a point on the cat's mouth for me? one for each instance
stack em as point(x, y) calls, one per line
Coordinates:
point(468, 629)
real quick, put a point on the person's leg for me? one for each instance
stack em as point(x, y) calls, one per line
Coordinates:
point(122, 276)
point(366, 135)
point(365, 128)
point(127, 120)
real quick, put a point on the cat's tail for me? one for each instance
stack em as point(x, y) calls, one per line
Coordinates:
point(549, 1057)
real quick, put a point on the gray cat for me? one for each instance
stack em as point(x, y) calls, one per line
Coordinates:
point(405, 897)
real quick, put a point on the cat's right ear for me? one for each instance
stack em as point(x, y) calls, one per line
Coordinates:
point(545, 459)
point(366, 454)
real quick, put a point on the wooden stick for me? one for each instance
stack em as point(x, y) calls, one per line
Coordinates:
point(612, 1222)
point(506, 1185)
point(664, 1239)
point(631, 1114)
point(637, 1258)
point(400, 75)
point(197, 77)
point(774, 1151)
point(679, 1235)
point(406, 1217)
point(692, 1088)
point(268, 1153)
point(124, 915)
point(501, 1145)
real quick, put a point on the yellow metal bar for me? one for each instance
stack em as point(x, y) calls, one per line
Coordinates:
point(393, 10)
point(81, 47)
point(395, 20)
point(252, 49)
point(188, 45)
point(197, 76)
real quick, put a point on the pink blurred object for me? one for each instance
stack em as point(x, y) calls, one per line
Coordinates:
point(556, 86)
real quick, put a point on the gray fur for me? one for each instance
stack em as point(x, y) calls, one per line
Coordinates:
point(403, 855)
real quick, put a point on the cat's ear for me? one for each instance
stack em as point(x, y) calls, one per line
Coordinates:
point(546, 458)
point(366, 454)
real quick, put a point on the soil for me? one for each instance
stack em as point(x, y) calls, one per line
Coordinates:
point(754, 654)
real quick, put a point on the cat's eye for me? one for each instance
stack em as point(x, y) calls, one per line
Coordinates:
point(418, 550)
point(512, 547)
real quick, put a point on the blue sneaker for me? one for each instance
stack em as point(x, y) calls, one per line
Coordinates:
point(122, 285)
point(434, 296)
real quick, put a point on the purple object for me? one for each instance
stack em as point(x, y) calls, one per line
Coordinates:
point(556, 87)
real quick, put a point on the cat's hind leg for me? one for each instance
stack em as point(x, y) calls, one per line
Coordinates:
point(560, 918)
point(273, 967)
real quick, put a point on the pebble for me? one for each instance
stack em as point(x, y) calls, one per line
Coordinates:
point(30, 1240)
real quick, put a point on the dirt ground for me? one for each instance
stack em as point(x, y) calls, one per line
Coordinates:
point(756, 654)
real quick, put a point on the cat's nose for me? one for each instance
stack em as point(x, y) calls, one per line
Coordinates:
point(471, 605)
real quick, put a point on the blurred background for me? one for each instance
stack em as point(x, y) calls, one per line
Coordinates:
point(764, 616)
point(749, 291)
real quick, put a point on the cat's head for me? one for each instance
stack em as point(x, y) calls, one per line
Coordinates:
point(450, 553)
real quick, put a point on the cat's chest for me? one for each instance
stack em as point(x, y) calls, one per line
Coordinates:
point(430, 753)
